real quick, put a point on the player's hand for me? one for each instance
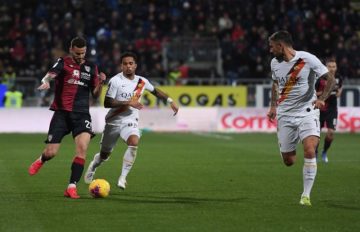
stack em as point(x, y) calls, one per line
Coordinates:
point(271, 114)
point(174, 107)
point(318, 104)
point(136, 104)
point(45, 85)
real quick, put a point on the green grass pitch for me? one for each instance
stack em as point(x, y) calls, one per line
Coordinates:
point(182, 182)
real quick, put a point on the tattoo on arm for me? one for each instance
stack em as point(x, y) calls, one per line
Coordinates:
point(274, 93)
point(112, 103)
point(330, 83)
point(160, 94)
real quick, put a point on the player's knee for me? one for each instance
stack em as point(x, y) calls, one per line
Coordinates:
point(309, 152)
point(288, 159)
point(133, 141)
point(330, 136)
point(289, 162)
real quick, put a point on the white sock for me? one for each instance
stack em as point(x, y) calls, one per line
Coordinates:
point(128, 160)
point(309, 173)
point(72, 185)
point(97, 161)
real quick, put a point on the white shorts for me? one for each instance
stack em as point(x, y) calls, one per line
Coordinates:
point(112, 133)
point(292, 129)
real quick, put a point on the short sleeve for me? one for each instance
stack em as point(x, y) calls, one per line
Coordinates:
point(318, 67)
point(112, 88)
point(148, 85)
point(57, 67)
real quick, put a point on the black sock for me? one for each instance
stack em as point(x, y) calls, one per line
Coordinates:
point(77, 169)
point(327, 144)
point(44, 158)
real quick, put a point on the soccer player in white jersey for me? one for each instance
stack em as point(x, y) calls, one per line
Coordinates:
point(123, 97)
point(294, 103)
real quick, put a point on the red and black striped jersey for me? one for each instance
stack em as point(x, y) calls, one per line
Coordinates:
point(73, 84)
point(331, 101)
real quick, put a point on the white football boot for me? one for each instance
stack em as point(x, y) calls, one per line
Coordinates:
point(122, 182)
point(90, 172)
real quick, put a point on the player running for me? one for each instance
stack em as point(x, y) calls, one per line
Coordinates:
point(329, 113)
point(75, 78)
point(123, 97)
point(294, 103)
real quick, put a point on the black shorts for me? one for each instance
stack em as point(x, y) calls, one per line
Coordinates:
point(328, 117)
point(64, 122)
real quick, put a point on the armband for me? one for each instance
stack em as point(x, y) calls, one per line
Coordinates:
point(169, 100)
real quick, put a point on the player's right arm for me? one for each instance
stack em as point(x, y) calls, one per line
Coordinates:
point(113, 103)
point(273, 103)
point(110, 97)
point(51, 74)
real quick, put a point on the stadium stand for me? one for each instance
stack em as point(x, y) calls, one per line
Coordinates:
point(223, 41)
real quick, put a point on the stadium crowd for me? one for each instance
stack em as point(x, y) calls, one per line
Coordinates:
point(34, 33)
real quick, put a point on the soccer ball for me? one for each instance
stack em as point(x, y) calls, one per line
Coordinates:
point(99, 188)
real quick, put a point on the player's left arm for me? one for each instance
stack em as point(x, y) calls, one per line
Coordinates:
point(160, 94)
point(330, 83)
point(340, 89)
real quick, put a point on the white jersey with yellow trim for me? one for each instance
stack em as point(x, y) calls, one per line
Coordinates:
point(296, 80)
point(124, 89)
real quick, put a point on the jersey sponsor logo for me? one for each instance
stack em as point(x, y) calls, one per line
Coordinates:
point(292, 79)
point(76, 74)
point(87, 68)
point(136, 94)
point(76, 82)
point(85, 75)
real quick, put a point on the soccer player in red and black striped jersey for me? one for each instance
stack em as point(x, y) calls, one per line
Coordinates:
point(329, 113)
point(75, 78)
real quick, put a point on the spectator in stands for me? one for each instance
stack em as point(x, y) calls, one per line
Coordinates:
point(119, 22)
point(13, 98)
point(9, 77)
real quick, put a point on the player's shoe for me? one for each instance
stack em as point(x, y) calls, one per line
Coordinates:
point(122, 182)
point(305, 201)
point(71, 193)
point(90, 172)
point(35, 167)
point(324, 157)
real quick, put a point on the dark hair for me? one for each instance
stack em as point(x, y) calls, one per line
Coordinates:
point(78, 42)
point(282, 36)
point(330, 60)
point(128, 54)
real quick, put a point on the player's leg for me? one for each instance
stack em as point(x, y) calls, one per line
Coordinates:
point(322, 124)
point(331, 125)
point(288, 139)
point(48, 153)
point(108, 142)
point(309, 131)
point(57, 130)
point(82, 134)
point(131, 134)
point(77, 166)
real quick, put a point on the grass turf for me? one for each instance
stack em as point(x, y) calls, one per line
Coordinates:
point(182, 182)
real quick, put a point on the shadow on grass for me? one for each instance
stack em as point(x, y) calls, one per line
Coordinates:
point(168, 199)
point(343, 205)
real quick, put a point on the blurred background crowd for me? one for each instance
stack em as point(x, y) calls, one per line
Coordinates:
point(218, 39)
